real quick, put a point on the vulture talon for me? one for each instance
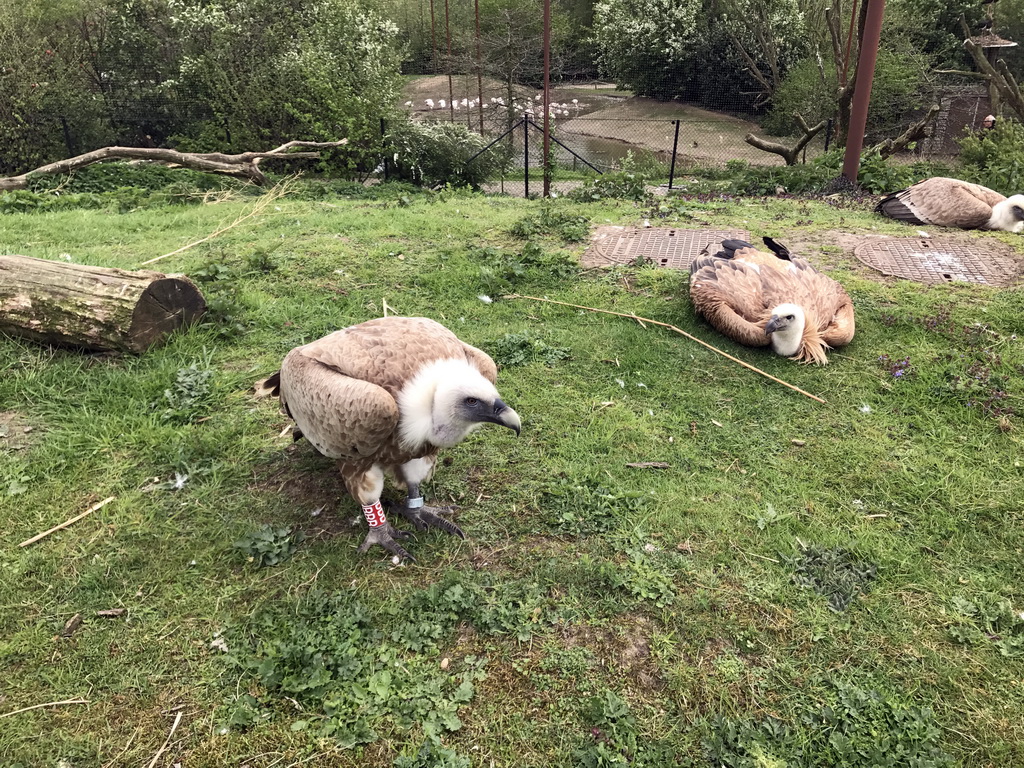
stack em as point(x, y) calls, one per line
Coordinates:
point(431, 517)
point(385, 536)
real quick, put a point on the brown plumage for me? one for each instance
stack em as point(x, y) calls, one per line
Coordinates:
point(761, 299)
point(945, 202)
point(383, 397)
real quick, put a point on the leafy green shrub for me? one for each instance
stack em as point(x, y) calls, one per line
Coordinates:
point(624, 184)
point(836, 573)
point(115, 175)
point(587, 508)
point(439, 153)
point(571, 228)
point(524, 347)
point(268, 545)
point(189, 397)
point(989, 619)
point(854, 728)
point(995, 158)
point(431, 755)
point(875, 175)
point(897, 90)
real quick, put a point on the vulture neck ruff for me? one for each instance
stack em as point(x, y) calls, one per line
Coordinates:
point(1004, 217)
point(787, 341)
point(802, 340)
point(427, 404)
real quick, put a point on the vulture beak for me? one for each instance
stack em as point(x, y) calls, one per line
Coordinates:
point(1018, 213)
point(772, 325)
point(506, 417)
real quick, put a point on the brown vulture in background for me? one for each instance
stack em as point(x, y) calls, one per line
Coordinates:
point(953, 203)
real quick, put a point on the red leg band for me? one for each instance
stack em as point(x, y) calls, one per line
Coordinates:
point(374, 514)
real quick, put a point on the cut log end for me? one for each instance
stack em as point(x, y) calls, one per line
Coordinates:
point(167, 305)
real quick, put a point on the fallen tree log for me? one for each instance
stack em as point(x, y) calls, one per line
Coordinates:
point(93, 308)
point(241, 166)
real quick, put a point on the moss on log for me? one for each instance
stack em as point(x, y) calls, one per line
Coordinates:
point(93, 308)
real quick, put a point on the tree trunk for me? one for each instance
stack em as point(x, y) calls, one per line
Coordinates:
point(93, 308)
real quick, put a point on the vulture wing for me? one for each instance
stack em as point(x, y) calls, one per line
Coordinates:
point(343, 417)
point(728, 293)
point(389, 351)
point(827, 304)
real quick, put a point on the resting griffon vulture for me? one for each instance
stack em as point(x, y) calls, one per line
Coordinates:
point(946, 202)
point(758, 298)
point(385, 396)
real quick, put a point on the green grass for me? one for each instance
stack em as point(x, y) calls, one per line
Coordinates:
point(803, 585)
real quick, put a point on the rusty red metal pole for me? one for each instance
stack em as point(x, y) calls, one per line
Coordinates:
point(862, 92)
point(479, 69)
point(547, 96)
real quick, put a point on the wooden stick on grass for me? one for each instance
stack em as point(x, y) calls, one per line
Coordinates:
point(66, 523)
point(643, 320)
point(167, 741)
point(47, 704)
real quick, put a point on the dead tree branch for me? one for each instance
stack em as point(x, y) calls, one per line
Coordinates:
point(789, 154)
point(915, 132)
point(241, 166)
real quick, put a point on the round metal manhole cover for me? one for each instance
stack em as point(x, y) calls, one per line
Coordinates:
point(940, 261)
point(671, 248)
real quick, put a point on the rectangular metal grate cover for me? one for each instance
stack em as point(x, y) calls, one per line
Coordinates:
point(672, 248)
point(935, 261)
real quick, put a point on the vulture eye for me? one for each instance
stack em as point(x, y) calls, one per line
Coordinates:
point(471, 401)
point(789, 317)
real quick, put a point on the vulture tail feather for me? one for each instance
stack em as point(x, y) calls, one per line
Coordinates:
point(729, 248)
point(894, 208)
point(270, 386)
point(777, 248)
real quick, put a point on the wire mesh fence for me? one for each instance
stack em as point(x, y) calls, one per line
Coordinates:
point(482, 69)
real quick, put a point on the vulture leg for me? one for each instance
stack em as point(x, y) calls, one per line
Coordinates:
point(414, 473)
point(365, 487)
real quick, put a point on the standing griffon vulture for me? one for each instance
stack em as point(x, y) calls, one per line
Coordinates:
point(385, 396)
point(946, 202)
point(776, 299)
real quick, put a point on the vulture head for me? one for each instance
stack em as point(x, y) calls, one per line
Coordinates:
point(446, 401)
point(1008, 215)
point(786, 327)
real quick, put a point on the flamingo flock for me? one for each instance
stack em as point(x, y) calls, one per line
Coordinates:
point(531, 108)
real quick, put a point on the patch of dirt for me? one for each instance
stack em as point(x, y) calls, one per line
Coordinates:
point(16, 432)
point(625, 649)
point(310, 484)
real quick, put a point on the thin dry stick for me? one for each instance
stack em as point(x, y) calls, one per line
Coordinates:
point(66, 523)
point(278, 191)
point(47, 704)
point(167, 741)
point(643, 320)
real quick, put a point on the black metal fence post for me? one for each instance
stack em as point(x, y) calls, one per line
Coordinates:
point(526, 156)
point(828, 134)
point(675, 146)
